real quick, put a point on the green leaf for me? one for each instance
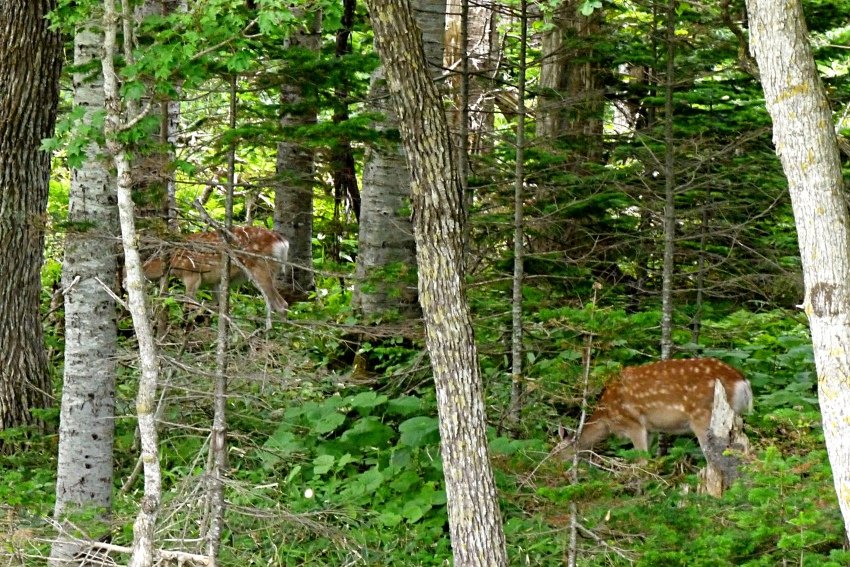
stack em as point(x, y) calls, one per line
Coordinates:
point(281, 443)
point(405, 481)
point(588, 7)
point(419, 431)
point(405, 405)
point(390, 519)
point(368, 432)
point(323, 464)
point(328, 422)
point(367, 400)
point(413, 511)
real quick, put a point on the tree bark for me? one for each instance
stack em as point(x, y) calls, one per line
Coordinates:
point(474, 519)
point(385, 278)
point(144, 528)
point(669, 191)
point(571, 102)
point(343, 166)
point(87, 419)
point(805, 142)
point(30, 63)
point(517, 354)
point(295, 167)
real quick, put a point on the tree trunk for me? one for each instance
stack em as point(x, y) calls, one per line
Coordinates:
point(343, 166)
point(294, 193)
point(480, 41)
point(805, 142)
point(87, 419)
point(669, 191)
point(571, 102)
point(144, 528)
point(30, 63)
point(474, 519)
point(386, 274)
point(517, 353)
point(152, 174)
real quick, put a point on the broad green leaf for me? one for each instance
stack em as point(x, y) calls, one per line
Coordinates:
point(367, 400)
point(328, 422)
point(405, 405)
point(419, 431)
point(368, 432)
point(322, 464)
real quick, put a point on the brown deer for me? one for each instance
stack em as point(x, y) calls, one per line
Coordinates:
point(672, 396)
point(258, 255)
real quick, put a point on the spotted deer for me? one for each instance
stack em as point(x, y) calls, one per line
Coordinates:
point(672, 396)
point(258, 255)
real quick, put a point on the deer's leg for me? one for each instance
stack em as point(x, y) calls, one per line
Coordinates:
point(192, 281)
point(264, 279)
point(639, 437)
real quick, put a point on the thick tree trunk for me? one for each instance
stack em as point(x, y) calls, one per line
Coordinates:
point(805, 141)
point(294, 194)
point(87, 419)
point(481, 42)
point(571, 102)
point(474, 518)
point(386, 275)
point(30, 63)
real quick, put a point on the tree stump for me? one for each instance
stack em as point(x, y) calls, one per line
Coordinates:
point(725, 443)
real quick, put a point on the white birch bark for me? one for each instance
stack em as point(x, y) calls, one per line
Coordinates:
point(805, 142)
point(144, 527)
point(87, 418)
point(386, 232)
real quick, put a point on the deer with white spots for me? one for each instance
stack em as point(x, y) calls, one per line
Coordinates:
point(257, 254)
point(672, 396)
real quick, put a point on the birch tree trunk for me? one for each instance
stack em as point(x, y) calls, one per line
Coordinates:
point(474, 519)
point(30, 63)
point(87, 419)
point(144, 528)
point(805, 142)
point(386, 265)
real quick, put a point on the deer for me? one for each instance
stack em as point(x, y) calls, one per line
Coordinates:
point(257, 254)
point(671, 396)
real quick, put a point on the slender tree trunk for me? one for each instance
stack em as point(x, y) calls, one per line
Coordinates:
point(805, 141)
point(218, 435)
point(87, 419)
point(295, 168)
point(696, 324)
point(145, 525)
point(474, 519)
point(171, 127)
point(669, 192)
point(519, 233)
point(342, 155)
